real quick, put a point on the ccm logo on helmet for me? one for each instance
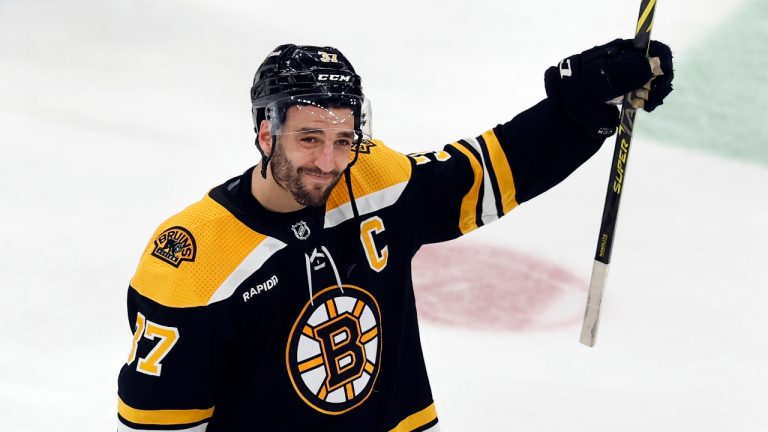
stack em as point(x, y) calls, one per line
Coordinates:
point(326, 77)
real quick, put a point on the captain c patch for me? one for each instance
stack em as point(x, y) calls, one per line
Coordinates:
point(175, 245)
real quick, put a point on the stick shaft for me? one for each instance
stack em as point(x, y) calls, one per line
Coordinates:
point(615, 185)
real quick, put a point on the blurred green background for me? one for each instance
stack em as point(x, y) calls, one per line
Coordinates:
point(721, 90)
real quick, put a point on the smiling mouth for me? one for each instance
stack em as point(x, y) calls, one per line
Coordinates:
point(324, 177)
point(319, 176)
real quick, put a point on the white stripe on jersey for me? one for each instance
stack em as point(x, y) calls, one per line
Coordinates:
point(490, 213)
point(366, 204)
point(435, 428)
point(123, 428)
point(258, 256)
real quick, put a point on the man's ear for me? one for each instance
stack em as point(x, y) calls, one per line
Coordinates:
point(265, 137)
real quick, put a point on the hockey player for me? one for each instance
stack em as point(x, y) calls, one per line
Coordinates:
point(282, 301)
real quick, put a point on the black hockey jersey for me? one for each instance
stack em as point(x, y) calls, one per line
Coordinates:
point(249, 320)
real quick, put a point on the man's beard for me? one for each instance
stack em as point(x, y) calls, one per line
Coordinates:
point(289, 178)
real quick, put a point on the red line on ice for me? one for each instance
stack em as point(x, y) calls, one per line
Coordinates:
point(486, 287)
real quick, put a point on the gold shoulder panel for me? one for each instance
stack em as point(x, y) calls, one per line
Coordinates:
point(193, 254)
point(378, 167)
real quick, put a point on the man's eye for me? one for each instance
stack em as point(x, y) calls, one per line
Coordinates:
point(344, 142)
point(309, 140)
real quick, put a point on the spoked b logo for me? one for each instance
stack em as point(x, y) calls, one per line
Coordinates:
point(334, 349)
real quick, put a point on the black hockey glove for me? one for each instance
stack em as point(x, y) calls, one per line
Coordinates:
point(661, 85)
point(584, 83)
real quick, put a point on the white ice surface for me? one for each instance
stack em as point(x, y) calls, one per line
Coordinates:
point(116, 114)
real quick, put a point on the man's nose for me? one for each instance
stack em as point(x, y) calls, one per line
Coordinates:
point(324, 159)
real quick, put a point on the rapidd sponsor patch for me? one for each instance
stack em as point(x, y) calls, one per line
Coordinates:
point(260, 288)
point(175, 245)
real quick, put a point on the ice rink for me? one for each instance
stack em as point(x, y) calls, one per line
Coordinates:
point(116, 114)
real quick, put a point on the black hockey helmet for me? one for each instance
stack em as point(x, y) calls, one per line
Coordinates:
point(300, 70)
point(307, 75)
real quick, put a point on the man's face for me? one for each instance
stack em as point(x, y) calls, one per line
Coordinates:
point(313, 149)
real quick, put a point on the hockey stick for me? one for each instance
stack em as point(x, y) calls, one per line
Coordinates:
point(615, 183)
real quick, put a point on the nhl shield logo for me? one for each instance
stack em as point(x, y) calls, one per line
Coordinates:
point(333, 354)
point(301, 230)
point(174, 246)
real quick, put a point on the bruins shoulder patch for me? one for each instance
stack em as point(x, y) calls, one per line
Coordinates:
point(174, 246)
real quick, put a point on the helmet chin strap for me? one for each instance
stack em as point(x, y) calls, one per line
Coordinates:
point(265, 158)
point(358, 142)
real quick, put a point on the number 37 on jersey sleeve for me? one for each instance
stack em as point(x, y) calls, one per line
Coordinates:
point(164, 339)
